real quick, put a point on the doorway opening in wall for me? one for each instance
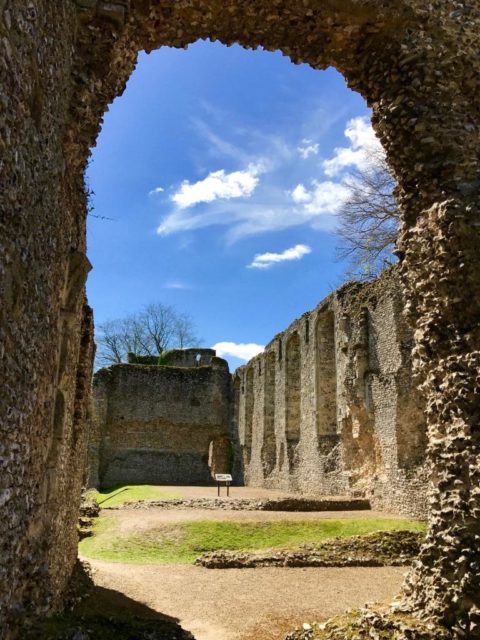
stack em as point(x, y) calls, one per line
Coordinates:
point(216, 187)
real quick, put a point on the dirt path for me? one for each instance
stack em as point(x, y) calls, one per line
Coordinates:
point(243, 604)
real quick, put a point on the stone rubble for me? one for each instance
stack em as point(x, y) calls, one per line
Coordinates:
point(251, 504)
point(396, 548)
point(371, 624)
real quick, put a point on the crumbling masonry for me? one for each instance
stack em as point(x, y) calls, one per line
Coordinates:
point(330, 406)
point(161, 424)
point(416, 63)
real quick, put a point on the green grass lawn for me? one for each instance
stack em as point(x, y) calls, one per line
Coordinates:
point(182, 543)
point(117, 496)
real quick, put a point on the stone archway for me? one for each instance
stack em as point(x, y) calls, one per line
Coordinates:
point(416, 62)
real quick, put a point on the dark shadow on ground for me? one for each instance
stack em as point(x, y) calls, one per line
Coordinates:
point(96, 613)
point(115, 491)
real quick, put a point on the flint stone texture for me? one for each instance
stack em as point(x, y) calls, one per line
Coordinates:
point(416, 63)
point(346, 418)
point(160, 424)
point(379, 549)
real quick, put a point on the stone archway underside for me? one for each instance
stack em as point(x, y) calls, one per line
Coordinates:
point(416, 62)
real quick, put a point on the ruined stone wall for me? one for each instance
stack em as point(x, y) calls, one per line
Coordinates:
point(190, 357)
point(330, 407)
point(159, 424)
point(416, 63)
point(46, 327)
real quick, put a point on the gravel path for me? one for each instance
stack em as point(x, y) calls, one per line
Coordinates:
point(243, 604)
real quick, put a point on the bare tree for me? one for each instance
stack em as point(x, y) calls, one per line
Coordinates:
point(158, 321)
point(111, 348)
point(185, 334)
point(369, 219)
point(135, 336)
point(148, 333)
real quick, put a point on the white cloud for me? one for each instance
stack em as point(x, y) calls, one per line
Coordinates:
point(308, 148)
point(363, 142)
point(241, 351)
point(155, 191)
point(324, 197)
point(273, 210)
point(218, 185)
point(300, 194)
point(288, 194)
point(267, 260)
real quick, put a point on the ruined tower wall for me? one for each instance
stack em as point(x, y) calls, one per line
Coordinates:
point(159, 424)
point(330, 406)
point(190, 357)
point(46, 328)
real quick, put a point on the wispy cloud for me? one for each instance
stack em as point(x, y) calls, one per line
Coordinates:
point(241, 351)
point(217, 145)
point(218, 185)
point(176, 284)
point(271, 191)
point(308, 148)
point(363, 142)
point(267, 260)
point(155, 191)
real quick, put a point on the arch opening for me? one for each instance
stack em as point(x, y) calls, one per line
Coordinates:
point(249, 411)
point(269, 445)
point(392, 58)
point(293, 390)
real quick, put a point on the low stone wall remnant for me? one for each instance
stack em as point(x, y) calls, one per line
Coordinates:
point(252, 504)
point(380, 549)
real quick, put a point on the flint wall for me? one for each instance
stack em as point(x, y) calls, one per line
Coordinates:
point(330, 406)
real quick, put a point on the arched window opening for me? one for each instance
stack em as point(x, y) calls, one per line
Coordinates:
point(269, 446)
point(326, 374)
point(293, 397)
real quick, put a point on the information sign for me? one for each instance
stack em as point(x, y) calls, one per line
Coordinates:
point(223, 477)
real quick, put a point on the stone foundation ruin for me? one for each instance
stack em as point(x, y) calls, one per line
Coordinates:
point(166, 424)
point(330, 406)
point(416, 63)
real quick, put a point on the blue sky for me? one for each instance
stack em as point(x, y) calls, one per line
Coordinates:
point(221, 170)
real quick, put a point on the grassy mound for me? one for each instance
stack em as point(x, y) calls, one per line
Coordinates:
point(182, 543)
point(114, 497)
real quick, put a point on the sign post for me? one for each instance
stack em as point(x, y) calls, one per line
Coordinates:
point(223, 477)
